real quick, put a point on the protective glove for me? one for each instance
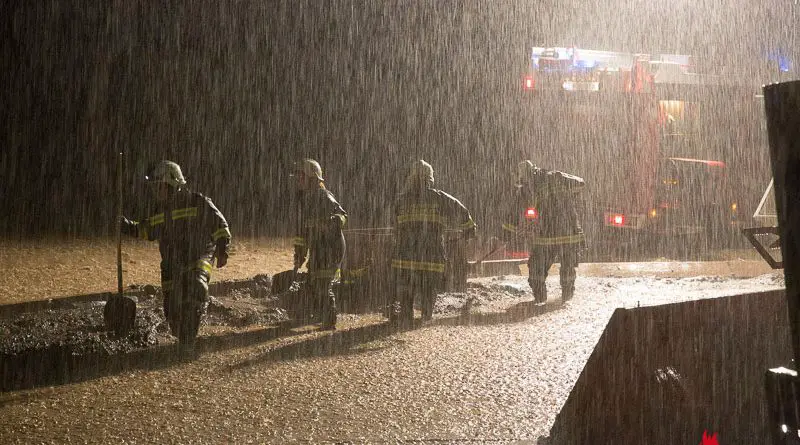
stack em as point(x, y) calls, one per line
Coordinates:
point(221, 252)
point(222, 259)
point(128, 227)
point(508, 236)
point(299, 258)
point(469, 234)
point(337, 222)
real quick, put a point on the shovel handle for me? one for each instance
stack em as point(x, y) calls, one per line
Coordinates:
point(496, 248)
point(119, 224)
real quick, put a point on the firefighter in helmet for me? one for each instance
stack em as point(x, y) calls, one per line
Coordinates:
point(421, 215)
point(192, 235)
point(319, 238)
point(545, 212)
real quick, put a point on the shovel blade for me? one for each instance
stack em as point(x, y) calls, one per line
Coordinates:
point(119, 314)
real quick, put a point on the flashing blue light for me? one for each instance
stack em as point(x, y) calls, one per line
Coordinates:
point(579, 65)
point(780, 58)
point(784, 64)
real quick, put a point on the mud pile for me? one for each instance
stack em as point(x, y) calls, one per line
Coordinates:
point(69, 342)
point(66, 340)
point(80, 330)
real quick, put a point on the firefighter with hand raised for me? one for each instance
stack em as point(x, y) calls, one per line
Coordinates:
point(545, 214)
point(192, 234)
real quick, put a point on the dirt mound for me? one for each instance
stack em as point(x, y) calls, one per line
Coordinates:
point(71, 343)
point(80, 330)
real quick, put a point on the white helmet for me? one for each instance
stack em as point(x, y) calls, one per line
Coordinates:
point(167, 172)
point(310, 168)
point(524, 169)
point(421, 174)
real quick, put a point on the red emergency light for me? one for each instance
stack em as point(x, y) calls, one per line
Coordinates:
point(517, 255)
point(616, 219)
point(531, 214)
point(528, 83)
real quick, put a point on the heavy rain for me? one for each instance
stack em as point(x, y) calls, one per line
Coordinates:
point(399, 222)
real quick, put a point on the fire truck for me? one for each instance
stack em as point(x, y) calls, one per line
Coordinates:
point(666, 153)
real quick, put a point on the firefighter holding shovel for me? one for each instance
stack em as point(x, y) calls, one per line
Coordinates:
point(192, 234)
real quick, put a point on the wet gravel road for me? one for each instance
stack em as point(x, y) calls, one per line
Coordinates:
point(490, 377)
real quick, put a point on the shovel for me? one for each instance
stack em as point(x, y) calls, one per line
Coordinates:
point(476, 266)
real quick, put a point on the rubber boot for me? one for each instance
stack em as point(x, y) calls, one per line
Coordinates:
point(567, 292)
point(428, 302)
point(328, 315)
point(539, 291)
point(406, 319)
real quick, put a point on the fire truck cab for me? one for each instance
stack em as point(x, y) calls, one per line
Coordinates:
point(693, 197)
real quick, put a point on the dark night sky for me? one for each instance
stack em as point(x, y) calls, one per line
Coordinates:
point(235, 91)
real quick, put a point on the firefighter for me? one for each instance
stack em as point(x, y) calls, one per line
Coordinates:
point(545, 211)
point(319, 237)
point(192, 235)
point(421, 215)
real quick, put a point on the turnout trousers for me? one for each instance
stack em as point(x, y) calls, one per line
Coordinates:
point(415, 286)
point(185, 298)
point(539, 262)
